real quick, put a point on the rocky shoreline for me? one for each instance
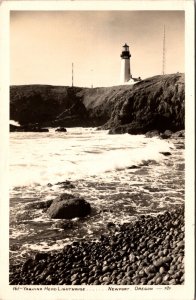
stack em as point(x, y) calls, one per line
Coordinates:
point(156, 103)
point(149, 251)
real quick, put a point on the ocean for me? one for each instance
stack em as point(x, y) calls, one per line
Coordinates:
point(121, 176)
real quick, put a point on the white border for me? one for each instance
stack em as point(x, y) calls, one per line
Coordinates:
point(184, 292)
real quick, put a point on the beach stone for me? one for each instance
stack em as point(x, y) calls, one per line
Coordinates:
point(67, 207)
point(158, 280)
point(180, 244)
point(74, 277)
point(27, 264)
point(105, 269)
point(132, 257)
point(40, 256)
point(97, 262)
point(161, 270)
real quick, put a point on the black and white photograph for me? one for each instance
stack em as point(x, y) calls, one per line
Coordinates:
point(97, 152)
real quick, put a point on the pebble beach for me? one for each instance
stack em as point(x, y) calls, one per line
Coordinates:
point(147, 251)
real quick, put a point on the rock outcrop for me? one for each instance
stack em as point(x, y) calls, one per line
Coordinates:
point(156, 103)
point(27, 128)
point(67, 207)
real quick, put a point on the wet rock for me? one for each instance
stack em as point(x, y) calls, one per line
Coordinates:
point(166, 135)
point(133, 167)
point(27, 264)
point(177, 134)
point(68, 207)
point(65, 184)
point(40, 256)
point(28, 128)
point(63, 224)
point(166, 153)
point(152, 133)
point(39, 204)
point(61, 129)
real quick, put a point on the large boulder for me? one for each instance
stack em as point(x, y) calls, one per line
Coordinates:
point(68, 206)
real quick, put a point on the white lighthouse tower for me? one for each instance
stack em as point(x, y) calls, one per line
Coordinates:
point(125, 74)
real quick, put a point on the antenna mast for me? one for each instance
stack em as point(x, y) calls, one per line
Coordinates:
point(72, 74)
point(163, 62)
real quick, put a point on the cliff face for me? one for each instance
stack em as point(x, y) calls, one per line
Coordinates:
point(45, 104)
point(154, 103)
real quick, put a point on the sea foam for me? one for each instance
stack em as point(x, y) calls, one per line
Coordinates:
point(38, 159)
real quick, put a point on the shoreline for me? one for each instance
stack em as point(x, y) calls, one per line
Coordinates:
point(148, 251)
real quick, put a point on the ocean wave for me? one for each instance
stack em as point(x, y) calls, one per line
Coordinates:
point(43, 160)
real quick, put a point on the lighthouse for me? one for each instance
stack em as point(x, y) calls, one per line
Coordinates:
point(125, 74)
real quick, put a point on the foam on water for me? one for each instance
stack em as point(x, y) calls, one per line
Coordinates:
point(97, 164)
point(12, 122)
point(42, 158)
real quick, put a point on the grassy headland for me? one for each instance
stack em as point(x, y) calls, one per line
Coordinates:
point(154, 103)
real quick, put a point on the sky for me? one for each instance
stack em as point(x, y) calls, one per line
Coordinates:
point(44, 44)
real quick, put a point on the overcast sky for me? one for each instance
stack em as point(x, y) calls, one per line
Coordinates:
point(43, 45)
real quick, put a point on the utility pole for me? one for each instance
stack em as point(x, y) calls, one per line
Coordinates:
point(163, 62)
point(72, 74)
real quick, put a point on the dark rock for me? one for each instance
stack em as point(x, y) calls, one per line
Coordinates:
point(14, 128)
point(40, 256)
point(154, 103)
point(67, 207)
point(61, 129)
point(166, 135)
point(63, 224)
point(177, 134)
point(118, 130)
point(152, 133)
point(27, 128)
point(65, 184)
point(27, 264)
point(111, 225)
point(39, 204)
point(166, 153)
point(133, 167)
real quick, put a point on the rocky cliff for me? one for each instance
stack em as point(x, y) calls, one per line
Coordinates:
point(154, 103)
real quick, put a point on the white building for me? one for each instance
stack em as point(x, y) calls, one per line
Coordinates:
point(125, 73)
